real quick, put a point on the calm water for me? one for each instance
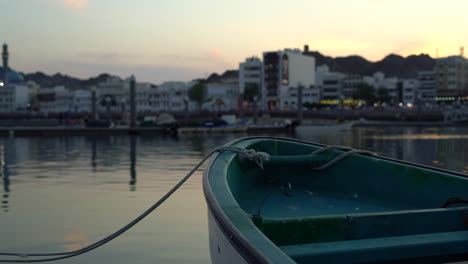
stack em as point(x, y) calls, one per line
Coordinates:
point(62, 193)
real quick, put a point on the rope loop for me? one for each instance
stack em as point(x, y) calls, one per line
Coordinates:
point(249, 154)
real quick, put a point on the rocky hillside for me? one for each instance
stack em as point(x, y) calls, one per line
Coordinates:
point(68, 81)
point(392, 65)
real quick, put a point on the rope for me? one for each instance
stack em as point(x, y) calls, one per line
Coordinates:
point(249, 154)
point(348, 151)
point(244, 154)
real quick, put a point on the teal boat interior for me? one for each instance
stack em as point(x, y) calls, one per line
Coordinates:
point(362, 209)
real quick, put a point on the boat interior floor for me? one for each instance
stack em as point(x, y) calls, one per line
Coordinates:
point(291, 201)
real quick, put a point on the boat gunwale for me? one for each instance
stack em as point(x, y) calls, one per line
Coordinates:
point(232, 232)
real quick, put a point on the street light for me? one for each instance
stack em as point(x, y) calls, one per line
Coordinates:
point(255, 98)
point(108, 101)
point(123, 102)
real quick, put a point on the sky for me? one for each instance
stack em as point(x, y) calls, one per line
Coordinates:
point(179, 40)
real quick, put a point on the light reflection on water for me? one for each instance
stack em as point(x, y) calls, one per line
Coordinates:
point(61, 193)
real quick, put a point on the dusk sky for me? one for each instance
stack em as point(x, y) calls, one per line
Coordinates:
point(159, 40)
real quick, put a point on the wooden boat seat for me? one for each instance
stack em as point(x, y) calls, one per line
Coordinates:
point(318, 229)
point(425, 248)
point(411, 235)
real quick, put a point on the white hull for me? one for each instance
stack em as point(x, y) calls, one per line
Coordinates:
point(221, 249)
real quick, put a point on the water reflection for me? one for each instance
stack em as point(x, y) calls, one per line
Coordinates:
point(93, 154)
point(5, 178)
point(133, 139)
point(447, 146)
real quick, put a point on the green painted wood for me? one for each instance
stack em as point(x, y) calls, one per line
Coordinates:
point(313, 229)
point(390, 249)
point(361, 198)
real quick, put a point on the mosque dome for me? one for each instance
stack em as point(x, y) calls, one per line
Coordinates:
point(14, 77)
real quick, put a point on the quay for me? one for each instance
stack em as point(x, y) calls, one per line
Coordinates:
point(79, 131)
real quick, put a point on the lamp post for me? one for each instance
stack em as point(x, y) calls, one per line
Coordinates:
point(255, 98)
point(123, 102)
point(108, 101)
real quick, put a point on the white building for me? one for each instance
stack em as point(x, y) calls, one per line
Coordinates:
point(329, 83)
point(112, 94)
point(409, 91)
point(350, 84)
point(55, 100)
point(451, 74)
point(309, 95)
point(250, 73)
point(172, 96)
point(81, 101)
point(427, 91)
point(222, 97)
point(378, 81)
point(14, 97)
point(282, 70)
point(143, 92)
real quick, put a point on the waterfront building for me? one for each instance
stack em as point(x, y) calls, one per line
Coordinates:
point(379, 81)
point(309, 95)
point(143, 92)
point(222, 97)
point(427, 90)
point(112, 94)
point(329, 83)
point(410, 92)
point(250, 74)
point(14, 97)
point(54, 100)
point(350, 84)
point(172, 96)
point(81, 101)
point(283, 70)
point(451, 74)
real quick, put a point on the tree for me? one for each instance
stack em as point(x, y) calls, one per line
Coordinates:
point(251, 91)
point(365, 92)
point(198, 93)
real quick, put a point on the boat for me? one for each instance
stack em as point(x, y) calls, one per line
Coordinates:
point(309, 203)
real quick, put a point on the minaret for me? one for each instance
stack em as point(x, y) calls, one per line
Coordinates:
point(5, 63)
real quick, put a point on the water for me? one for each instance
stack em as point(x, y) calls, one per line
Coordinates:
point(62, 193)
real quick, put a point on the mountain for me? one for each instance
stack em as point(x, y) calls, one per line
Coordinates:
point(392, 65)
point(45, 80)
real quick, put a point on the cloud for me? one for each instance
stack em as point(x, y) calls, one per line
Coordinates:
point(76, 4)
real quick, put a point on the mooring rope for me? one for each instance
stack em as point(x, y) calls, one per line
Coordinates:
point(348, 151)
point(244, 154)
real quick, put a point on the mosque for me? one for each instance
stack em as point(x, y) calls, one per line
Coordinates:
point(8, 76)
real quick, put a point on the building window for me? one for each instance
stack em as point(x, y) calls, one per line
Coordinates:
point(285, 70)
